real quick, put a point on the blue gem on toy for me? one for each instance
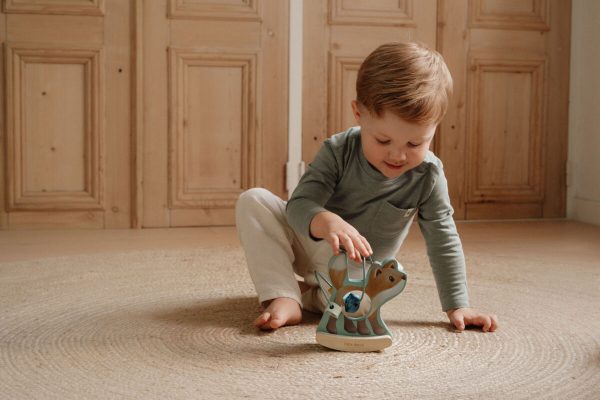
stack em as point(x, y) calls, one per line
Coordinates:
point(351, 302)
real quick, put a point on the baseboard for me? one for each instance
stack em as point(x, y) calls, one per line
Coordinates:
point(585, 210)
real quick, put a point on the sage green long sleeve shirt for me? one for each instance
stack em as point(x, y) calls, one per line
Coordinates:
point(341, 180)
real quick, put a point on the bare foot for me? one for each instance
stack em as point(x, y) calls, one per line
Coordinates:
point(280, 312)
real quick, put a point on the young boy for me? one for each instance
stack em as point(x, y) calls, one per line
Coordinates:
point(362, 192)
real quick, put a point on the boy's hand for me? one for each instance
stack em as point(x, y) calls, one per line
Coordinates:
point(461, 317)
point(331, 227)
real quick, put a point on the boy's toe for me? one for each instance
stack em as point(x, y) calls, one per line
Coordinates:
point(262, 320)
point(277, 322)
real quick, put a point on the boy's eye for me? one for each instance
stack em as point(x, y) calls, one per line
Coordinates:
point(413, 144)
point(382, 141)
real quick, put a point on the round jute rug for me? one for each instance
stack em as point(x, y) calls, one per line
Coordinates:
point(177, 325)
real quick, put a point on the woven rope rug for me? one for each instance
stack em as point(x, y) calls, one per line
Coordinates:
point(177, 325)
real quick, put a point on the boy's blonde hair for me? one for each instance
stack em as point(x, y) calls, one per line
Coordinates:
point(407, 79)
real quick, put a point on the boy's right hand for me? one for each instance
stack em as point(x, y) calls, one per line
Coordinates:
point(332, 228)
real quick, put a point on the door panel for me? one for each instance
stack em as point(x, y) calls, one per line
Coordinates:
point(507, 123)
point(3, 151)
point(215, 79)
point(67, 163)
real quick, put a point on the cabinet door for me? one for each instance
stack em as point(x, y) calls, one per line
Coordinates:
point(338, 35)
point(215, 107)
point(67, 111)
point(504, 140)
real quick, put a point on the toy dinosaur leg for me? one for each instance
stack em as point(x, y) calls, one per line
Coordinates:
point(363, 329)
point(349, 326)
point(377, 328)
point(331, 325)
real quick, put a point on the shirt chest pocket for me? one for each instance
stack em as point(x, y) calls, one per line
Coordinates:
point(390, 221)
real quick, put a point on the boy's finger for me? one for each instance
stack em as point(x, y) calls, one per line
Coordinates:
point(483, 321)
point(494, 323)
point(487, 323)
point(334, 241)
point(367, 245)
point(364, 250)
point(458, 321)
point(360, 246)
point(349, 246)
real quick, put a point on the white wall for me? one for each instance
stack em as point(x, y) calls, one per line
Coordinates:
point(583, 177)
point(295, 165)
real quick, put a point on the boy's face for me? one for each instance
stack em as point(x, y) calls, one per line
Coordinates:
point(390, 144)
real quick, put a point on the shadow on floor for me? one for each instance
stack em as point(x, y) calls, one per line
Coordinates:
point(234, 312)
point(239, 312)
point(420, 324)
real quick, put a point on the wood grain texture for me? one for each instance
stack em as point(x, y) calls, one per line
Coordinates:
point(211, 161)
point(450, 140)
point(54, 127)
point(506, 108)
point(118, 76)
point(224, 105)
point(59, 7)
point(154, 137)
point(3, 151)
point(272, 98)
point(358, 12)
point(249, 10)
point(522, 14)
point(137, 115)
point(54, 29)
point(316, 35)
point(558, 45)
point(21, 220)
point(73, 77)
point(507, 122)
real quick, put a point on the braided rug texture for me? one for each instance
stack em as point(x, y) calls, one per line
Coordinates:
point(177, 325)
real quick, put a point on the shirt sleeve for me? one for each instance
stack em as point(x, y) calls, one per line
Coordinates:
point(444, 247)
point(314, 190)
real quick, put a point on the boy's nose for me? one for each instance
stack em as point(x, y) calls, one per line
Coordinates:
point(398, 157)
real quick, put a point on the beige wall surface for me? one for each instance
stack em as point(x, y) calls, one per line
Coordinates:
point(583, 202)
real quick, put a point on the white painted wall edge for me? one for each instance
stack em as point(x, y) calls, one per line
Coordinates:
point(295, 166)
point(585, 210)
point(583, 167)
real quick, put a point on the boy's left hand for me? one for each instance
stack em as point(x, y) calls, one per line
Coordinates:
point(461, 317)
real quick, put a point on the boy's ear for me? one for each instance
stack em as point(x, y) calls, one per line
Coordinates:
point(356, 111)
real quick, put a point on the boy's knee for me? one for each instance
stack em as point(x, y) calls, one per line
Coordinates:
point(251, 197)
point(252, 200)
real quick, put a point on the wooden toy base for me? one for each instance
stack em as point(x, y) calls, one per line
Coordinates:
point(358, 344)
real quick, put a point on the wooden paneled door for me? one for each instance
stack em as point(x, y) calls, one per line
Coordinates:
point(66, 114)
point(504, 140)
point(214, 107)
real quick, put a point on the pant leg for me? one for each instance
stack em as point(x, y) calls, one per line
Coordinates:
point(267, 240)
point(275, 253)
point(318, 254)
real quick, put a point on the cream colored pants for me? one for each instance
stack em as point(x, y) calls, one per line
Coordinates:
point(275, 252)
